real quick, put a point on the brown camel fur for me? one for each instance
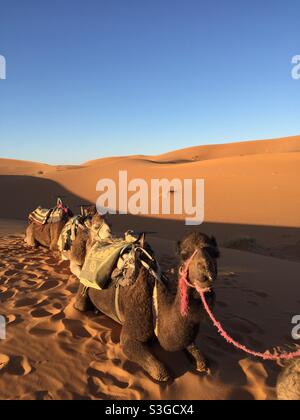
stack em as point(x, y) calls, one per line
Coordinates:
point(137, 315)
point(45, 235)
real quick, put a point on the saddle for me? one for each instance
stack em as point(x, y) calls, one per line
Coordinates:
point(69, 232)
point(44, 216)
point(115, 262)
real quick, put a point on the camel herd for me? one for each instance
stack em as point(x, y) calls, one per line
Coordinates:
point(148, 306)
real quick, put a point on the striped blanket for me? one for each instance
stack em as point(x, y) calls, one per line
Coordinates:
point(46, 216)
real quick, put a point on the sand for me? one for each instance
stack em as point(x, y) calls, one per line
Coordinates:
point(253, 207)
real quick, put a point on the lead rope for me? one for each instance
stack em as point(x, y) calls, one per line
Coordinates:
point(184, 283)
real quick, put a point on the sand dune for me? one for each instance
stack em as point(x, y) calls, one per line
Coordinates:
point(252, 206)
point(283, 145)
point(19, 167)
point(248, 183)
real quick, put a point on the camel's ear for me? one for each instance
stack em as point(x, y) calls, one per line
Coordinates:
point(142, 240)
point(183, 254)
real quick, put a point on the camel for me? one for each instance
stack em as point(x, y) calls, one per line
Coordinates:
point(47, 234)
point(150, 307)
point(288, 384)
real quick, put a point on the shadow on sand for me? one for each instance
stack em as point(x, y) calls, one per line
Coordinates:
point(21, 194)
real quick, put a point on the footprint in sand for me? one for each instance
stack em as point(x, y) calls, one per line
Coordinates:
point(59, 316)
point(10, 273)
point(76, 328)
point(17, 365)
point(42, 330)
point(40, 313)
point(114, 384)
point(7, 295)
point(25, 302)
point(12, 319)
point(49, 284)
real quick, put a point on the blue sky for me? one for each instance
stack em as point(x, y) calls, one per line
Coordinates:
point(92, 78)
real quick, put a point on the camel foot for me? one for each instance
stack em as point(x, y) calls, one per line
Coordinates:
point(159, 373)
point(204, 370)
point(79, 306)
point(139, 353)
point(198, 360)
point(83, 302)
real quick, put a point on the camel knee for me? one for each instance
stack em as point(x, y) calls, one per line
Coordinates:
point(53, 246)
point(29, 237)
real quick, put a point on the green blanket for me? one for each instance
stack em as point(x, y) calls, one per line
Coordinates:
point(100, 263)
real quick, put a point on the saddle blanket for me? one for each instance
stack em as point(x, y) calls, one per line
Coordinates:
point(46, 216)
point(101, 262)
point(69, 233)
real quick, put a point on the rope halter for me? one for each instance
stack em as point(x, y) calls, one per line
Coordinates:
point(184, 284)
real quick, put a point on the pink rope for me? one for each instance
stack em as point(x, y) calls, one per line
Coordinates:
point(63, 208)
point(184, 283)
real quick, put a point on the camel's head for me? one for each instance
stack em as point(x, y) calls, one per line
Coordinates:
point(99, 228)
point(203, 267)
point(88, 211)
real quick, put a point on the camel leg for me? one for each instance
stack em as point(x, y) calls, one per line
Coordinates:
point(139, 353)
point(29, 238)
point(83, 302)
point(197, 358)
point(53, 245)
point(75, 269)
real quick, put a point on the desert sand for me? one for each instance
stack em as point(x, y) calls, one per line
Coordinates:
point(253, 208)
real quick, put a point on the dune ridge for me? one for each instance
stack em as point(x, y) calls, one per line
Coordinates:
point(253, 181)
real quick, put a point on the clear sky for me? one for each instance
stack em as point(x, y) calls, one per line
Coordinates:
point(92, 78)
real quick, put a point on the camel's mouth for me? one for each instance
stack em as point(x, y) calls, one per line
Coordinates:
point(204, 287)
